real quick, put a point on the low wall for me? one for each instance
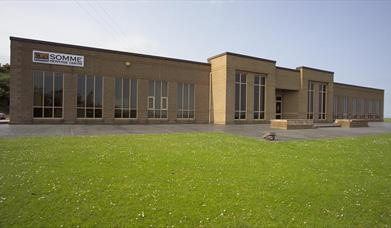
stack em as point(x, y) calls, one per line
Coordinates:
point(292, 124)
point(348, 123)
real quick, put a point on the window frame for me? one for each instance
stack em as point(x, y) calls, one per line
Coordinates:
point(322, 110)
point(240, 83)
point(43, 97)
point(370, 108)
point(188, 100)
point(362, 108)
point(85, 98)
point(377, 109)
point(335, 107)
point(130, 99)
point(161, 100)
point(258, 86)
point(345, 107)
point(354, 108)
point(310, 91)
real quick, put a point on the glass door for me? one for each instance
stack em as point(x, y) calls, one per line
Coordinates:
point(278, 107)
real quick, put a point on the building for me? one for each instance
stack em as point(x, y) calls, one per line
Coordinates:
point(62, 83)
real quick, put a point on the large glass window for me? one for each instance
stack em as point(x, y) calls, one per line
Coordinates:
point(157, 99)
point(335, 107)
point(322, 102)
point(89, 96)
point(310, 101)
point(240, 96)
point(48, 94)
point(370, 109)
point(259, 97)
point(125, 98)
point(358, 108)
point(362, 108)
point(377, 108)
point(354, 107)
point(185, 101)
point(345, 106)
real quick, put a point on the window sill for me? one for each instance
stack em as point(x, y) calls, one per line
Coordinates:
point(48, 118)
point(118, 118)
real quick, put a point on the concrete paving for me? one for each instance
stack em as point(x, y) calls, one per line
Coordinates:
point(250, 130)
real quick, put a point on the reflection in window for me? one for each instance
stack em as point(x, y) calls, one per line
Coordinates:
point(240, 96)
point(48, 94)
point(185, 101)
point(157, 99)
point(89, 96)
point(259, 97)
point(125, 98)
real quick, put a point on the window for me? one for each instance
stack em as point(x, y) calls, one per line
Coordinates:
point(89, 96)
point(358, 108)
point(259, 97)
point(322, 101)
point(240, 96)
point(354, 107)
point(48, 95)
point(373, 109)
point(157, 99)
point(310, 103)
point(125, 98)
point(362, 108)
point(335, 107)
point(377, 109)
point(185, 101)
point(345, 106)
point(369, 109)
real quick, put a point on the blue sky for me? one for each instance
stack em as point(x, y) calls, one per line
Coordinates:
point(353, 39)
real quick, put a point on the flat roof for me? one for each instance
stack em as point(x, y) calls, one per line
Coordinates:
point(360, 87)
point(242, 56)
point(285, 68)
point(12, 38)
point(310, 68)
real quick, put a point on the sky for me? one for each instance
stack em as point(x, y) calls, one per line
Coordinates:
point(350, 38)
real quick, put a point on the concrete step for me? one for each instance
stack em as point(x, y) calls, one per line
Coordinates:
point(320, 125)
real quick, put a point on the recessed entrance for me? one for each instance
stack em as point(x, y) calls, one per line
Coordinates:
point(278, 107)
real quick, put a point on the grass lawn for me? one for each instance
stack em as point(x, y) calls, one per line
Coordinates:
point(195, 179)
point(387, 120)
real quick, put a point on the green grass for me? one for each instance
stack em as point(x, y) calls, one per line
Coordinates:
point(387, 120)
point(205, 179)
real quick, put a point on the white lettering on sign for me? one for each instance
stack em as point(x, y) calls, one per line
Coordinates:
point(58, 58)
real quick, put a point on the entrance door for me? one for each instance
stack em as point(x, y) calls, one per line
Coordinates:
point(278, 107)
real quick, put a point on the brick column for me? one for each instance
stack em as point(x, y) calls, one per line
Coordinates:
point(142, 96)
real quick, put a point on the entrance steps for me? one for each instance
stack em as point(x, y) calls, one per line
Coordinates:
point(321, 125)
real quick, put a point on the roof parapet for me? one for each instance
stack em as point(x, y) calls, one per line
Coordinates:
point(285, 68)
point(356, 86)
point(315, 69)
point(12, 38)
point(242, 56)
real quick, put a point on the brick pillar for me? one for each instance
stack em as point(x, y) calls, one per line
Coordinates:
point(142, 96)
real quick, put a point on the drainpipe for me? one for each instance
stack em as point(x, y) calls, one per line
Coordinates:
point(210, 95)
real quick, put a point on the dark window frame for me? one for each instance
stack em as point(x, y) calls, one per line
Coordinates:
point(39, 110)
point(126, 112)
point(94, 111)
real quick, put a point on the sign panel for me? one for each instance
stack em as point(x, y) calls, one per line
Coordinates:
point(58, 58)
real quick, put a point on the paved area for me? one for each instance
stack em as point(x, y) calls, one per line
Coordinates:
point(251, 130)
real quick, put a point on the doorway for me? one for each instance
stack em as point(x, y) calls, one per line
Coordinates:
point(278, 107)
